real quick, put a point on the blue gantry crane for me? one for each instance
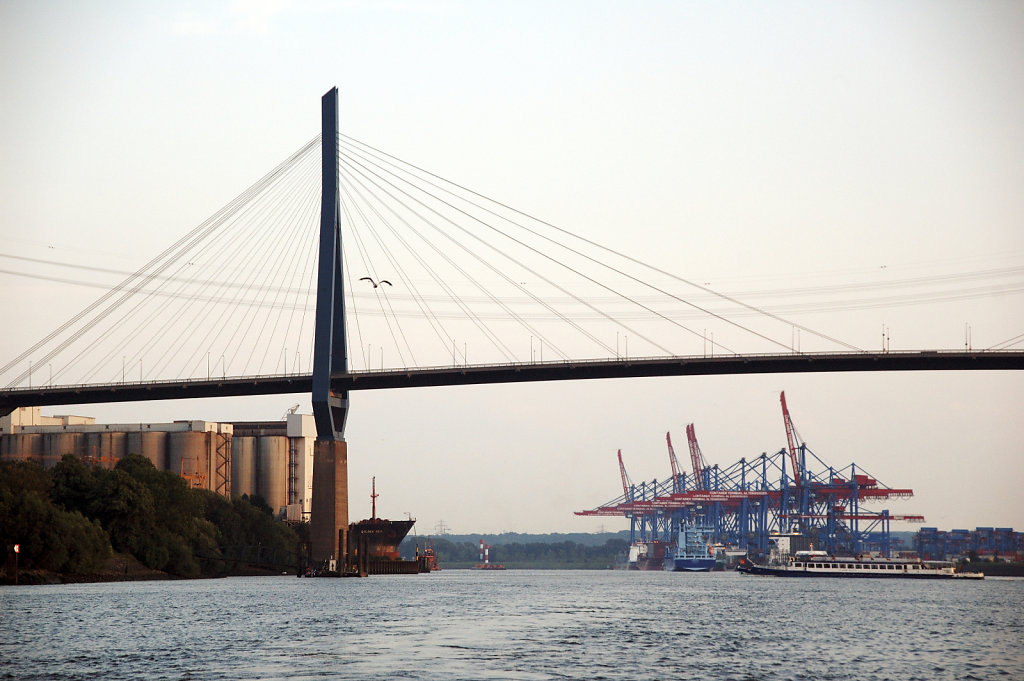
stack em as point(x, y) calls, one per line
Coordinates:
point(789, 492)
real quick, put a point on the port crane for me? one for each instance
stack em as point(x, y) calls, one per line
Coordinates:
point(678, 484)
point(644, 520)
point(627, 484)
point(791, 439)
point(696, 458)
point(753, 498)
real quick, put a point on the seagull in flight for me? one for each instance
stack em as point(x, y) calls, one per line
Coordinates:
point(375, 284)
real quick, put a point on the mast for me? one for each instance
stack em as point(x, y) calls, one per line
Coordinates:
point(373, 498)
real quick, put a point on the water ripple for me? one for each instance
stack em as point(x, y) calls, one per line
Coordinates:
point(527, 625)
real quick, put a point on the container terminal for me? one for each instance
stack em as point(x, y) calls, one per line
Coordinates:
point(746, 504)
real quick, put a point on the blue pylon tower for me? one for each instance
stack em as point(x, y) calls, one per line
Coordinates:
point(329, 513)
point(330, 348)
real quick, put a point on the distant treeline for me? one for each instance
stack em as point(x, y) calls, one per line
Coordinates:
point(585, 538)
point(69, 519)
point(526, 555)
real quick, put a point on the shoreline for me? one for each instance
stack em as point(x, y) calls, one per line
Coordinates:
point(118, 568)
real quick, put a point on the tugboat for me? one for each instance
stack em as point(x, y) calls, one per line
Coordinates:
point(429, 560)
point(693, 551)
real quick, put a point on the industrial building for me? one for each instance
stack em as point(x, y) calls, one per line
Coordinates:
point(271, 459)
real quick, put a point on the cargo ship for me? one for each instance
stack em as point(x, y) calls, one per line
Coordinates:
point(693, 551)
point(646, 555)
point(820, 564)
point(379, 539)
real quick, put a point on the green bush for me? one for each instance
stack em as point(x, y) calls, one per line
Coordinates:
point(67, 520)
point(50, 537)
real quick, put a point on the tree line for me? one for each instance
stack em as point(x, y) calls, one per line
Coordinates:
point(71, 518)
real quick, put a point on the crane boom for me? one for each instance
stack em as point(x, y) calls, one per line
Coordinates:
point(696, 458)
point(626, 482)
point(674, 463)
point(790, 438)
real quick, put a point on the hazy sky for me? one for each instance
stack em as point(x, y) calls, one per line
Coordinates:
point(871, 150)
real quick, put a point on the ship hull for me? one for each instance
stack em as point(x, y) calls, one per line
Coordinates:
point(689, 564)
point(379, 538)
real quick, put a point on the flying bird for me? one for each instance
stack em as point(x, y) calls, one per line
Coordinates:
point(375, 284)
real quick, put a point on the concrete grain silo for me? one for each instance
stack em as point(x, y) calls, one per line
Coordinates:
point(21, 446)
point(188, 454)
point(58, 444)
point(106, 448)
point(150, 444)
point(243, 466)
point(272, 475)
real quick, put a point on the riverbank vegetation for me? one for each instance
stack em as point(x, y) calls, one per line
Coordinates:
point(72, 519)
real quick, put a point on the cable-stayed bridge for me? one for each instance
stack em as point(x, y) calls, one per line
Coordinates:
point(350, 269)
point(435, 285)
point(470, 374)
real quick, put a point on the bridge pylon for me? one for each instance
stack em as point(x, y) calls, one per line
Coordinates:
point(329, 513)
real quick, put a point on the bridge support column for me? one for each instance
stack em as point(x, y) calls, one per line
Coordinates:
point(330, 500)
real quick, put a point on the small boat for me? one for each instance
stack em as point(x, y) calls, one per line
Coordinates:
point(693, 551)
point(821, 564)
point(430, 559)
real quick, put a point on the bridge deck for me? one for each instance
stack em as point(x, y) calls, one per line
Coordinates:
point(517, 373)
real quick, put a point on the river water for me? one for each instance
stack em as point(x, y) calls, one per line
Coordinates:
point(516, 625)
